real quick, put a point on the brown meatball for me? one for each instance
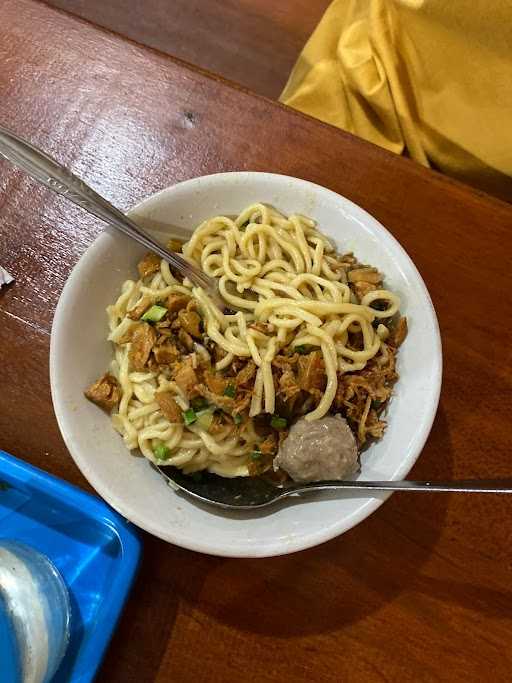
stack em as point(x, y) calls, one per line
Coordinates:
point(318, 450)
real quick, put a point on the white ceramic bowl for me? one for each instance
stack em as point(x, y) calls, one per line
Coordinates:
point(80, 353)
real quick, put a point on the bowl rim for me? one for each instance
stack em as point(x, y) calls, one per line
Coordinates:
point(210, 546)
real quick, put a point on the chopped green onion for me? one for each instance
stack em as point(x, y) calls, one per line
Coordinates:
point(199, 403)
point(237, 418)
point(376, 403)
point(278, 422)
point(230, 391)
point(154, 314)
point(189, 416)
point(255, 455)
point(205, 418)
point(303, 349)
point(162, 452)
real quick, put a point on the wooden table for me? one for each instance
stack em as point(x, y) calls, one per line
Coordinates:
point(418, 592)
point(252, 42)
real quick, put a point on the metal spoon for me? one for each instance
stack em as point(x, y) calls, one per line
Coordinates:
point(248, 493)
point(56, 177)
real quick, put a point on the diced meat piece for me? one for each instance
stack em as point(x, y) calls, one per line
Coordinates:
point(186, 378)
point(138, 311)
point(338, 267)
point(174, 245)
point(269, 445)
point(175, 302)
point(215, 382)
point(400, 332)
point(168, 406)
point(164, 336)
point(190, 322)
point(370, 275)
point(246, 374)
point(288, 386)
point(223, 402)
point(166, 353)
point(362, 288)
point(163, 325)
point(143, 340)
point(149, 265)
point(348, 259)
point(105, 392)
point(318, 450)
point(311, 372)
point(127, 336)
point(192, 305)
point(186, 340)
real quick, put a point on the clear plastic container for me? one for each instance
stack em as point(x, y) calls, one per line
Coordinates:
point(35, 609)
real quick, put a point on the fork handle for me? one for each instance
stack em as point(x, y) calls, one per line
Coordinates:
point(56, 177)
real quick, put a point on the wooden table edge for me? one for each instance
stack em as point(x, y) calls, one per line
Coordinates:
point(412, 166)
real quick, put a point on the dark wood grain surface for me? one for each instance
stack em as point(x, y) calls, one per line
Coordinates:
point(252, 42)
point(420, 591)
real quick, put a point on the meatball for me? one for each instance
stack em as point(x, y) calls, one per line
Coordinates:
point(318, 450)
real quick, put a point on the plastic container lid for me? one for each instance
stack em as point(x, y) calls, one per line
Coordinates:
point(9, 653)
point(92, 547)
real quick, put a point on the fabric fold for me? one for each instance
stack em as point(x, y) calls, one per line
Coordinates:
point(426, 78)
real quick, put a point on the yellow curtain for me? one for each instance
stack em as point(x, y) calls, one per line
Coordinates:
point(428, 78)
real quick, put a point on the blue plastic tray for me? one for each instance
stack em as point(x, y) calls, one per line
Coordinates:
point(96, 551)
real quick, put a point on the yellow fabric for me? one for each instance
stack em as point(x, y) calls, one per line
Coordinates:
point(429, 78)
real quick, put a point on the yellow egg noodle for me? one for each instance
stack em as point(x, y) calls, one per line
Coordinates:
point(278, 270)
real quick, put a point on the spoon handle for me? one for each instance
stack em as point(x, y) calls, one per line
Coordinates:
point(462, 486)
point(50, 173)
